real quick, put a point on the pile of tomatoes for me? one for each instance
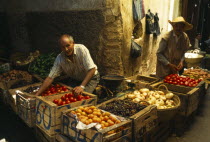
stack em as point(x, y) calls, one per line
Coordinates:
point(69, 98)
point(181, 80)
point(53, 89)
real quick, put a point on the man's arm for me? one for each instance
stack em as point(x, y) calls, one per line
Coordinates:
point(47, 82)
point(89, 75)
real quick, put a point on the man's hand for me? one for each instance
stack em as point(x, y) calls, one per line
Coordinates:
point(173, 67)
point(180, 66)
point(78, 90)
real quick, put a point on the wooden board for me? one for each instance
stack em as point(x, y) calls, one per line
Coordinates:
point(141, 81)
point(189, 97)
point(42, 136)
point(62, 138)
point(69, 129)
point(48, 114)
point(143, 121)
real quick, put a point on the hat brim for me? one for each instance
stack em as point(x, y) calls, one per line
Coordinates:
point(187, 26)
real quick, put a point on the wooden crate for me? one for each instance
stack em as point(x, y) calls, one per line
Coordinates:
point(44, 137)
point(26, 108)
point(160, 133)
point(62, 138)
point(48, 114)
point(189, 97)
point(69, 129)
point(143, 121)
point(142, 81)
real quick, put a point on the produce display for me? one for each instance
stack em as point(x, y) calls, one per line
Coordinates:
point(124, 108)
point(15, 75)
point(158, 98)
point(69, 98)
point(42, 64)
point(197, 73)
point(32, 89)
point(91, 114)
point(21, 83)
point(53, 89)
point(181, 80)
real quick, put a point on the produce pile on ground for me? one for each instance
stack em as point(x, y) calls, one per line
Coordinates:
point(22, 83)
point(42, 65)
point(26, 60)
point(197, 73)
point(69, 98)
point(181, 80)
point(91, 114)
point(124, 108)
point(158, 98)
point(53, 89)
point(15, 75)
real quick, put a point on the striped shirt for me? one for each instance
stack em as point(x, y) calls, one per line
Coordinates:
point(82, 63)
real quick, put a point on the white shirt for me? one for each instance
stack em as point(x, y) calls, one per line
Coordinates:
point(77, 69)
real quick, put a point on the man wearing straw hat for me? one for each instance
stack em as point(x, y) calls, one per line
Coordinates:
point(172, 47)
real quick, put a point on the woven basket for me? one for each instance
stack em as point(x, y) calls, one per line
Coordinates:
point(168, 113)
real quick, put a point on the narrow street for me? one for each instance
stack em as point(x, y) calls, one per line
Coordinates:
point(200, 127)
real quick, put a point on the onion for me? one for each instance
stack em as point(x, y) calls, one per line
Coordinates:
point(131, 96)
point(136, 92)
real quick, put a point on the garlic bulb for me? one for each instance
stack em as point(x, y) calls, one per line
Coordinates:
point(159, 102)
point(156, 95)
point(163, 98)
point(169, 95)
point(131, 96)
point(151, 93)
point(144, 90)
point(170, 102)
point(144, 94)
point(136, 92)
point(136, 100)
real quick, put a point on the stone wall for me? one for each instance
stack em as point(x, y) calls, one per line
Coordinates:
point(104, 26)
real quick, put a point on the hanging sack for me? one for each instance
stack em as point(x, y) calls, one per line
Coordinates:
point(136, 49)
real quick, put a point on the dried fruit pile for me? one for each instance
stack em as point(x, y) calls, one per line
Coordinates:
point(69, 98)
point(15, 75)
point(92, 114)
point(122, 108)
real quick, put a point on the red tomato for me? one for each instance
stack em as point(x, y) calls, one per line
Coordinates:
point(71, 99)
point(66, 95)
point(186, 83)
point(181, 83)
point(67, 99)
point(74, 100)
point(60, 103)
point(57, 85)
point(59, 91)
point(167, 78)
point(55, 101)
point(64, 102)
point(63, 97)
point(175, 82)
point(68, 102)
point(70, 95)
point(79, 97)
point(87, 97)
